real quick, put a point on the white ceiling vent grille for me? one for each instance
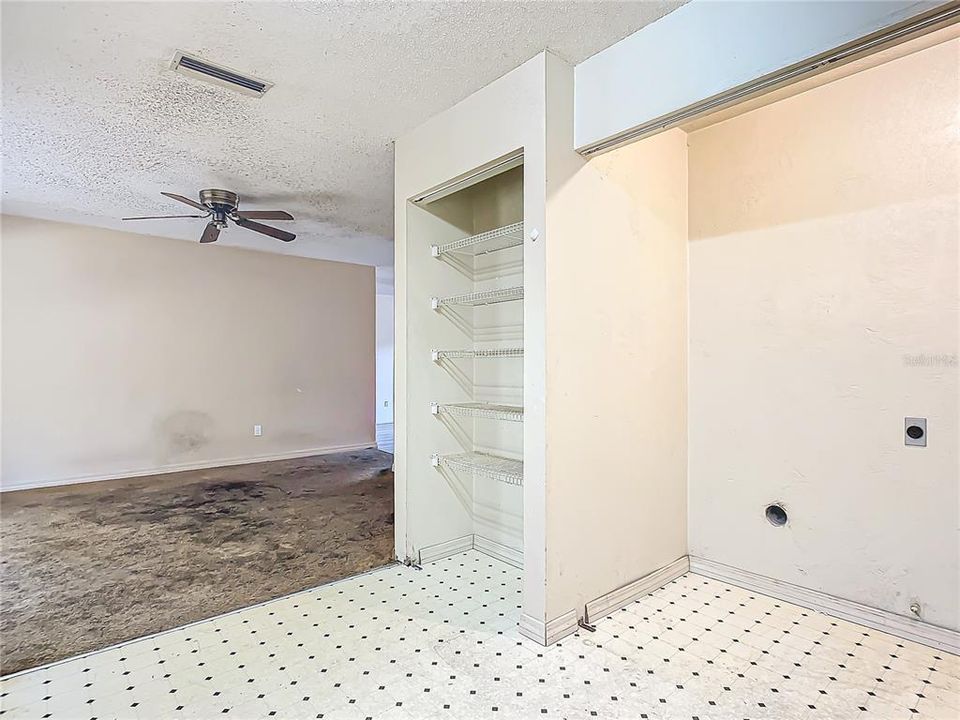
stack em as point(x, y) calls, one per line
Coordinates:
point(192, 66)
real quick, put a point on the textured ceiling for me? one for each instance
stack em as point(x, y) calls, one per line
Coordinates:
point(95, 125)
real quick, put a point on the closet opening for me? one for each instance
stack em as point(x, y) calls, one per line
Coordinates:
point(465, 374)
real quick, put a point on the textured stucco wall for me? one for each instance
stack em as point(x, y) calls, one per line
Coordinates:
point(823, 310)
point(125, 353)
point(616, 247)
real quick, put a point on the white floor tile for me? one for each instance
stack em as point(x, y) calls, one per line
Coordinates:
point(404, 644)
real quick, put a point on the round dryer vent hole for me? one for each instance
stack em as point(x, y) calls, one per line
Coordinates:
point(776, 515)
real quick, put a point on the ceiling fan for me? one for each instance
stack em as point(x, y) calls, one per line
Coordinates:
point(221, 206)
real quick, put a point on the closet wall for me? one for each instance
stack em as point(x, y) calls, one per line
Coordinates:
point(616, 360)
point(437, 507)
point(824, 309)
point(466, 262)
point(603, 329)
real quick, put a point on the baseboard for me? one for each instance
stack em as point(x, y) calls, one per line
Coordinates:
point(432, 553)
point(532, 628)
point(904, 627)
point(547, 633)
point(623, 596)
point(560, 627)
point(501, 552)
point(183, 467)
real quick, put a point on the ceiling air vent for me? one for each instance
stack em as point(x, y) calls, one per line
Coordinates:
point(194, 67)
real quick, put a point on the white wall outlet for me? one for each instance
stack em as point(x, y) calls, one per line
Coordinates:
point(257, 430)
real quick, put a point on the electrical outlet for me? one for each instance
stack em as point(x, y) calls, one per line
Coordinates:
point(257, 430)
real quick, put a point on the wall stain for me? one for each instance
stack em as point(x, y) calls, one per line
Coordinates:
point(184, 432)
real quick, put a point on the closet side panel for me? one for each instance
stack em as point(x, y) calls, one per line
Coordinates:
point(617, 363)
point(439, 503)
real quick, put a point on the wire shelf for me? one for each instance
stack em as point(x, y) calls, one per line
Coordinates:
point(486, 411)
point(491, 466)
point(502, 238)
point(438, 355)
point(482, 297)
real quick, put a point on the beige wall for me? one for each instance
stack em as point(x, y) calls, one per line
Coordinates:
point(126, 354)
point(384, 358)
point(823, 263)
point(616, 361)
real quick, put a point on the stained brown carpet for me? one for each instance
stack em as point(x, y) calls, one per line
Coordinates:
point(86, 566)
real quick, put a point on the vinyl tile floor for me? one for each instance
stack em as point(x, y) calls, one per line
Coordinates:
point(400, 643)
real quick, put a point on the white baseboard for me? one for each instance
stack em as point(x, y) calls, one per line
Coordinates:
point(182, 467)
point(549, 632)
point(533, 628)
point(558, 628)
point(499, 551)
point(432, 553)
point(623, 596)
point(904, 627)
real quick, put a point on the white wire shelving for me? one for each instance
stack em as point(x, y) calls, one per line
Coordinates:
point(501, 238)
point(481, 297)
point(485, 411)
point(491, 466)
point(513, 352)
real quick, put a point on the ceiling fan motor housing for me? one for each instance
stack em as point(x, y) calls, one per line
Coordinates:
point(222, 204)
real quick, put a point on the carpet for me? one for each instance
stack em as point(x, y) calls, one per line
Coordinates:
point(87, 566)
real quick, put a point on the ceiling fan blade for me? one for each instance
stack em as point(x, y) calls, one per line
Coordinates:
point(210, 234)
point(265, 214)
point(186, 200)
point(162, 217)
point(265, 229)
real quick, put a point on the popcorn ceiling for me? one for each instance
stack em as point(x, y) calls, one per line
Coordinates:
point(95, 124)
